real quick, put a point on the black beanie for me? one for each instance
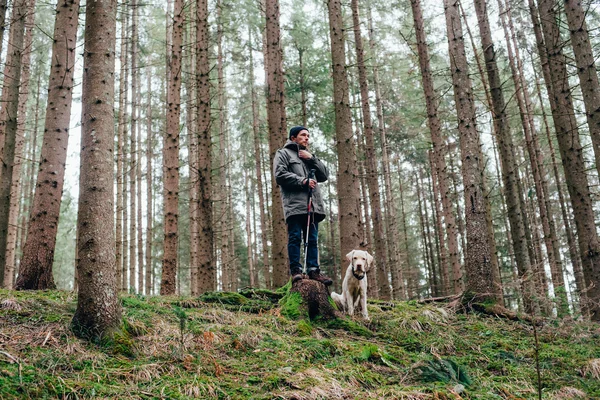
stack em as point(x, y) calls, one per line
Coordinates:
point(296, 130)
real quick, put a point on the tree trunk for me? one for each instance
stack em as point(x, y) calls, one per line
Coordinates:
point(3, 8)
point(32, 170)
point(222, 204)
point(453, 195)
point(133, 155)
point(535, 156)
point(347, 179)
point(316, 302)
point(207, 278)
point(277, 133)
point(302, 86)
point(138, 180)
point(233, 261)
point(336, 270)
point(15, 196)
point(410, 293)
point(190, 87)
point(262, 205)
point(98, 311)
point(248, 224)
point(372, 173)
point(586, 69)
point(571, 154)
point(391, 203)
point(171, 157)
point(121, 219)
point(434, 283)
point(438, 147)
point(506, 148)
point(482, 162)
point(149, 186)
point(446, 286)
point(8, 120)
point(574, 255)
point(478, 265)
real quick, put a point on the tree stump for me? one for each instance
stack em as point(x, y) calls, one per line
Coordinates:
point(309, 299)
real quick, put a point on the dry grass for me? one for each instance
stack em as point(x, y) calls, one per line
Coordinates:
point(592, 368)
point(568, 393)
point(10, 304)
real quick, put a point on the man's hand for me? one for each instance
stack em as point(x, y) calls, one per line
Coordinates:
point(311, 183)
point(305, 155)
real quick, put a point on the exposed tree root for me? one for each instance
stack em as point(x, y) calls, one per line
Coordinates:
point(465, 303)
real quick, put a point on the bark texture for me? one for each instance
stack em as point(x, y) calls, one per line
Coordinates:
point(8, 118)
point(315, 299)
point(207, 279)
point(98, 311)
point(347, 180)
point(571, 153)
point(535, 155)
point(437, 141)
point(586, 69)
point(258, 169)
point(478, 263)
point(276, 118)
point(149, 188)
point(510, 173)
point(371, 161)
point(171, 157)
point(38, 251)
point(15, 197)
point(121, 220)
point(133, 151)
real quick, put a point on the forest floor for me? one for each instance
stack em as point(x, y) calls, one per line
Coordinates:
point(228, 346)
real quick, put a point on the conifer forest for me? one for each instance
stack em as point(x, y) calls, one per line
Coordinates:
point(462, 139)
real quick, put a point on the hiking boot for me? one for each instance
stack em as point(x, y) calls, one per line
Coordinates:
point(296, 275)
point(318, 276)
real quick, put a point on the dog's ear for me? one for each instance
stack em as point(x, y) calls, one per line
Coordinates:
point(350, 255)
point(369, 261)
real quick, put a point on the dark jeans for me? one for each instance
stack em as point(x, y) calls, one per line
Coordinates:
point(296, 225)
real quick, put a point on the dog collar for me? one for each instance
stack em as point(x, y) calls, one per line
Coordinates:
point(356, 276)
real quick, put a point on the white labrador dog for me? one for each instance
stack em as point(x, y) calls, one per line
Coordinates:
point(354, 286)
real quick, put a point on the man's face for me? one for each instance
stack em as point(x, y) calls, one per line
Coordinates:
point(302, 138)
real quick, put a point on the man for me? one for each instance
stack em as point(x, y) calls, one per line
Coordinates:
point(291, 168)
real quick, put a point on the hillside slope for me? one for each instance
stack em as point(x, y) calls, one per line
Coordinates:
point(227, 346)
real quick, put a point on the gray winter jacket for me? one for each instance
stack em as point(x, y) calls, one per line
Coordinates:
point(289, 171)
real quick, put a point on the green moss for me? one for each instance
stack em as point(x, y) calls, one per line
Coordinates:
point(119, 342)
point(228, 298)
point(349, 325)
point(262, 294)
point(304, 328)
point(285, 289)
point(292, 306)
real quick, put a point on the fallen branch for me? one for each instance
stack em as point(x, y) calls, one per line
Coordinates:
point(15, 359)
point(444, 299)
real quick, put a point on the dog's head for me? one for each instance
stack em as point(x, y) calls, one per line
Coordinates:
point(361, 261)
